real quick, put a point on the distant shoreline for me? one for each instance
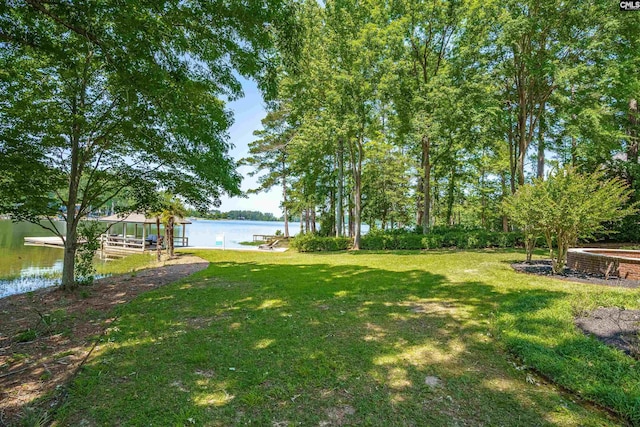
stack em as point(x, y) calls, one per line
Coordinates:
point(232, 219)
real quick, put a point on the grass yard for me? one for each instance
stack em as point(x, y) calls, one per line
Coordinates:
point(127, 264)
point(364, 338)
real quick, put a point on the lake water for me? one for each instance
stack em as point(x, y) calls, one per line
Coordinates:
point(202, 233)
point(25, 268)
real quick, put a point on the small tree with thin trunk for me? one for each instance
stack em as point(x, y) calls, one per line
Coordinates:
point(172, 208)
point(525, 211)
point(568, 206)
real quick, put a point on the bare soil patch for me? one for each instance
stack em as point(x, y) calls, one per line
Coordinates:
point(614, 326)
point(45, 336)
point(543, 268)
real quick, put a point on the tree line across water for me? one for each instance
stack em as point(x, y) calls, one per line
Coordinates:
point(235, 215)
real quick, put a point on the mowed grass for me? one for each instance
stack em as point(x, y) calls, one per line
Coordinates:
point(381, 339)
point(127, 264)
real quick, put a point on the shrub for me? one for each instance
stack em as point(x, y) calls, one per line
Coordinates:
point(432, 241)
point(566, 207)
point(374, 240)
point(313, 243)
point(89, 233)
point(409, 241)
point(440, 238)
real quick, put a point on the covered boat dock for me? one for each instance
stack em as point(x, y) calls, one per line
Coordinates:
point(137, 233)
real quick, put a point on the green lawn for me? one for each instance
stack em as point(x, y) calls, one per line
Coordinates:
point(127, 264)
point(351, 339)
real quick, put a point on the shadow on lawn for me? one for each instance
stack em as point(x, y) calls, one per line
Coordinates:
point(275, 344)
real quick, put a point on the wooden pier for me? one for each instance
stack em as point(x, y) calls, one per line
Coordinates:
point(51, 242)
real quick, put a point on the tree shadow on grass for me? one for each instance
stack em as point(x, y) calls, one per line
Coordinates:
point(316, 344)
point(537, 325)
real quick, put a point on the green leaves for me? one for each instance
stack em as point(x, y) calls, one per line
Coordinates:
point(568, 206)
point(109, 98)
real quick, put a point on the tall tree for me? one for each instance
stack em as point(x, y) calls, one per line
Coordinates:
point(105, 97)
point(271, 153)
point(427, 29)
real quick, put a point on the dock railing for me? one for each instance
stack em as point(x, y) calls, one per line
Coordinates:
point(133, 244)
point(128, 244)
point(181, 242)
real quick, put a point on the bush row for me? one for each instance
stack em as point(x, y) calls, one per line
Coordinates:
point(474, 239)
point(314, 243)
point(377, 240)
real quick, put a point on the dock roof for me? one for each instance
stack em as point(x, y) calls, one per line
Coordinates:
point(138, 218)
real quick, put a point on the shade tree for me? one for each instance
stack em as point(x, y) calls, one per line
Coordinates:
point(103, 98)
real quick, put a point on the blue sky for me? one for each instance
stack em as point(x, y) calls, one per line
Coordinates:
point(248, 111)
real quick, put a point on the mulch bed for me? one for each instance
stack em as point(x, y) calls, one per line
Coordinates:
point(543, 268)
point(46, 335)
point(613, 326)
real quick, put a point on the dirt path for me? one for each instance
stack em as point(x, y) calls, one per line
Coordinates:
point(46, 335)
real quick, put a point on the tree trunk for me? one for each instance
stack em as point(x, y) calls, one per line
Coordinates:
point(435, 203)
point(169, 233)
point(574, 154)
point(522, 143)
point(529, 243)
point(426, 153)
point(505, 219)
point(512, 163)
point(541, 145)
point(331, 212)
point(357, 220)
point(340, 189)
point(71, 238)
point(356, 149)
point(313, 220)
point(350, 224)
point(419, 195)
point(307, 218)
point(69, 259)
point(549, 240)
point(158, 245)
point(632, 150)
point(560, 261)
point(284, 204)
point(450, 196)
point(483, 200)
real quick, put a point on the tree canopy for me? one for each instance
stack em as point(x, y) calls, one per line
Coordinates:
point(101, 99)
point(419, 114)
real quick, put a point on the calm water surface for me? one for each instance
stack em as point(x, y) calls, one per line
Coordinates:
point(26, 268)
point(202, 233)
